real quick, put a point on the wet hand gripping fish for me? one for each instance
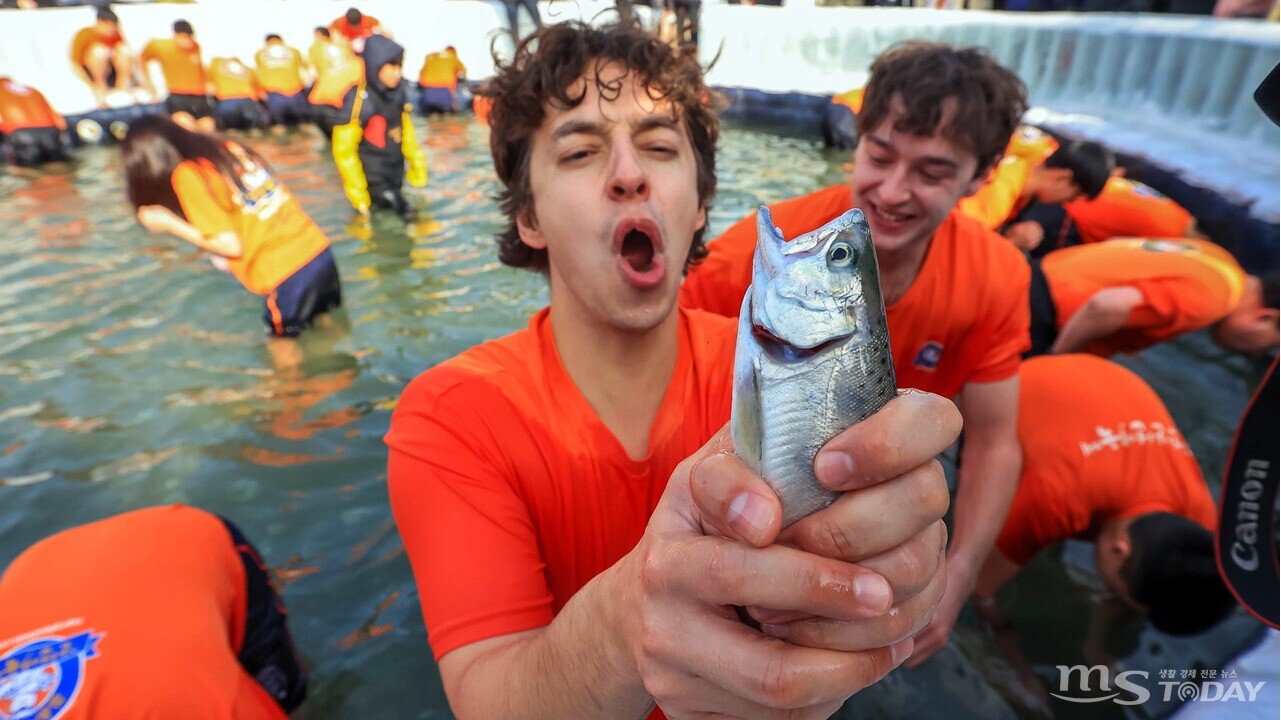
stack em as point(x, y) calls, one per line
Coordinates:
point(813, 353)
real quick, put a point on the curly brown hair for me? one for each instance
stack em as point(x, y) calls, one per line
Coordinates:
point(546, 71)
point(990, 99)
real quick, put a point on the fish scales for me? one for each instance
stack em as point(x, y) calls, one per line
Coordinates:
point(812, 356)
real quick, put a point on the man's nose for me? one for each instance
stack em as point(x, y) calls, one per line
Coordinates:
point(895, 187)
point(627, 175)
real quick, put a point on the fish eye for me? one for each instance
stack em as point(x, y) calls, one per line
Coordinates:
point(841, 254)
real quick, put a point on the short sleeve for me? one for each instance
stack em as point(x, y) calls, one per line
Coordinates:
point(198, 190)
point(1003, 336)
point(467, 530)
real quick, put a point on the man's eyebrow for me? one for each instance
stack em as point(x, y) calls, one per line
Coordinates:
point(656, 122)
point(576, 127)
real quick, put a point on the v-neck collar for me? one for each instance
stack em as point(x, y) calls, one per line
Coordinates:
point(573, 403)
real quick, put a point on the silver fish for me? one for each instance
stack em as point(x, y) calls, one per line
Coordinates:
point(813, 353)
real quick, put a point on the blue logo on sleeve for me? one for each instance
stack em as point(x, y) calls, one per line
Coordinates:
point(41, 679)
point(928, 357)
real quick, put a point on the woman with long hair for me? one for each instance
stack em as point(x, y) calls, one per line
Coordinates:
point(221, 197)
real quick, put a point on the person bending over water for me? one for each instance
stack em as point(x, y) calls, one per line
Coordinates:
point(222, 198)
point(160, 612)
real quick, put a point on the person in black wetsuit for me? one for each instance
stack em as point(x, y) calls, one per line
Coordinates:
point(376, 149)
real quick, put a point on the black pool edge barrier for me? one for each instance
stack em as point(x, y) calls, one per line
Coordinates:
point(1253, 241)
point(96, 126)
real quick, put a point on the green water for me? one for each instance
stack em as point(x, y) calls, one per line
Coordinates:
point(133, 374)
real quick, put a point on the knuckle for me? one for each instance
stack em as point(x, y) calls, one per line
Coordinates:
point(931, 490)
point(914, 569)
point(654, 570)
point(834, 540)
point(780, 684)
point(870, 666)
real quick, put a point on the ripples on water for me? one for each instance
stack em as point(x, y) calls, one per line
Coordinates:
point(132, 374)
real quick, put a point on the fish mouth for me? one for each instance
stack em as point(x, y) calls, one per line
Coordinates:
point(787, 352)
point(638, 244)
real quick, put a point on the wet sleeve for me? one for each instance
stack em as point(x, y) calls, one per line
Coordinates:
point(1003, 337)
point(197, 191)
point(469, 535)
point(346, 143)
point(415, 158)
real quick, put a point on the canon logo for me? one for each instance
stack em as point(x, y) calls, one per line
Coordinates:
point(1245, 553)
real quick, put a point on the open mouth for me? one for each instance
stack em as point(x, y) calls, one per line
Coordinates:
point(638, 250)
point(889, 217)
point(639, 246)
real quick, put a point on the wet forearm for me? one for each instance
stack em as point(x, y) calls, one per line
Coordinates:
point(577, 667)
point(986, 482)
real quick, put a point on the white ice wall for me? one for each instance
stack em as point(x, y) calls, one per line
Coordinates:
point(1175, 90)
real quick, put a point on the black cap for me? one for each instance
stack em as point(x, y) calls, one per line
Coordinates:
point(184, 27)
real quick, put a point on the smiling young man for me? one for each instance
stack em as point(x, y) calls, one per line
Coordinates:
point(578, 527)
point(934, 121)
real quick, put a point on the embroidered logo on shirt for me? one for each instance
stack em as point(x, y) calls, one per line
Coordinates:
point(42, 678)
point(927, 358)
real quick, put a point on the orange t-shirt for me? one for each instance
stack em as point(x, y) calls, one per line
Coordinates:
point(441, 70)
point(138, 615)
point(87, 38)
point(1098, 445)
point(509, 491)
point(183, 69)
point(232, 79)
point(1127, 208)
point(279, 69)
point(23, 107)
point(964, 319)
point(1186, 285)
point(276, 236)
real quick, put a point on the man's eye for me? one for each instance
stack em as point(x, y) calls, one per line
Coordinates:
point(577, 155)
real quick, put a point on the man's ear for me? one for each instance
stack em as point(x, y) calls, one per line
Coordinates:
point(527, 227)
point(702, 219)
point(1120, 545)
point(981, 178)
point(1059, 175)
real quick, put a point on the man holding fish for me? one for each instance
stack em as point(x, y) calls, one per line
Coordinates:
point(582, 548)
point(935, 120)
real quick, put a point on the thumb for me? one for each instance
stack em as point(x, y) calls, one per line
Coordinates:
point(733, 501)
